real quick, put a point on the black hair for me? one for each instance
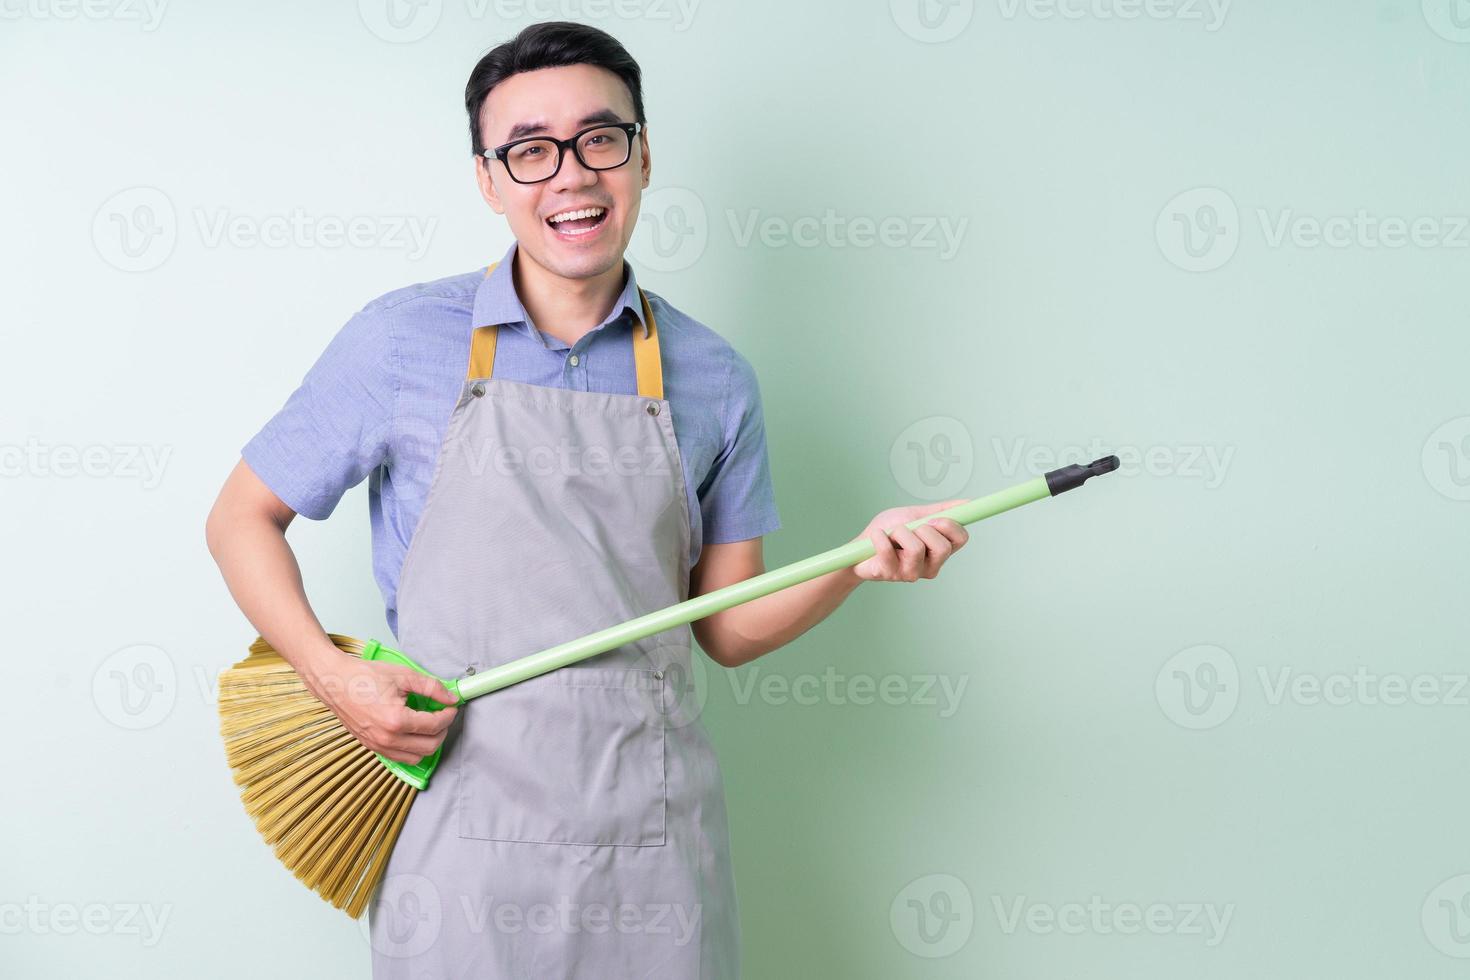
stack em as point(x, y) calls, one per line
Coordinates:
point(550, 44)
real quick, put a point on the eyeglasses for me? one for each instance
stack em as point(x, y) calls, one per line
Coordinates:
point(538, 158)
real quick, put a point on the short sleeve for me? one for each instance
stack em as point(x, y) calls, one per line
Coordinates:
point(333, 430)
point(737, 500)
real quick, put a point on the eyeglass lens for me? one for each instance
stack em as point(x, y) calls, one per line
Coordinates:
point(599, 149)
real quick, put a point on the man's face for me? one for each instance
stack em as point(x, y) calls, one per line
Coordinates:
point(560, 102)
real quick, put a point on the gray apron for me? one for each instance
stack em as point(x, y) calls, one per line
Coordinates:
point(576, 824)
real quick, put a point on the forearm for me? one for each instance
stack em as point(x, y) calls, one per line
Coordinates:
point(752, 629)
point(264, 578)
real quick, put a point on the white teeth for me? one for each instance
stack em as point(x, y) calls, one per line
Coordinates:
point(573, 215)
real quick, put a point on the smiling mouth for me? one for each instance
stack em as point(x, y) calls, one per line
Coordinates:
point(580, 221)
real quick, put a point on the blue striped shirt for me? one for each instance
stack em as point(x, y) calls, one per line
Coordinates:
point(377, 401)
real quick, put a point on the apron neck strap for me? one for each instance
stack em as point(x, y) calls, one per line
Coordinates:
point(646, 360)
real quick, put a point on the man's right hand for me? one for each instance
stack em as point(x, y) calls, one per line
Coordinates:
point(369, 697)
point(246, 534)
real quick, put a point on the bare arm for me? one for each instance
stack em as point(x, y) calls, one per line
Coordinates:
point(742, 633)
point(246, 534)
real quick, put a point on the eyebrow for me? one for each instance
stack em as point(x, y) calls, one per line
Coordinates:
point(537, 126)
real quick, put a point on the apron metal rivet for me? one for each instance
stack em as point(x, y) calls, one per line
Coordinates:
point(477, 390)
point(653, 408)
point(469, 670)
point(658, 675)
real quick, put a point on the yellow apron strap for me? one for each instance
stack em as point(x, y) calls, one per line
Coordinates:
point(646, 360)
point(482, 344)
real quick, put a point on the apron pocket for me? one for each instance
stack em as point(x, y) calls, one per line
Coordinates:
point(575, 756)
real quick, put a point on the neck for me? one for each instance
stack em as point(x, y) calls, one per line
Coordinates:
point(566, 309)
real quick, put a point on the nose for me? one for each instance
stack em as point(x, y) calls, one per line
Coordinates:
point(572, 175)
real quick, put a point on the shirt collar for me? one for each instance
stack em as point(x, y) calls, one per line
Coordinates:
point(496, 300)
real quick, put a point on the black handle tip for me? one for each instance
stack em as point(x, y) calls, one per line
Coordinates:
point(1070, 477)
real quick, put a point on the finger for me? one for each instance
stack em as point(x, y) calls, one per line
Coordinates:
point(410, 751)
point(412, 722)
point(937, 548)
point(911, 553)
point(885, 560)
point(952, 530)
point(430, 687)
point(421, 745)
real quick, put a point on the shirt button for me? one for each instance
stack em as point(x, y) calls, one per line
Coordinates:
point(573, 359)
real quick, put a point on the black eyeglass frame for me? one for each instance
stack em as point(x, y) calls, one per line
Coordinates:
point(570, 143)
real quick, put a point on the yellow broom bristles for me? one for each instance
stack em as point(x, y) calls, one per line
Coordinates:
point(323, 800)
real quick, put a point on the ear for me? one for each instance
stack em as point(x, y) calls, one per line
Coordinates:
point(647, 163)
point(487, 185)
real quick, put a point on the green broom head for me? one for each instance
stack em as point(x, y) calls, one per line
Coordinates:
point(416, 774)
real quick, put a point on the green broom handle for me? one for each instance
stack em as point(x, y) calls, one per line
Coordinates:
point(553, 658)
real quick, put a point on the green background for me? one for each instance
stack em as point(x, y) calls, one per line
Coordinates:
point(1135, 271)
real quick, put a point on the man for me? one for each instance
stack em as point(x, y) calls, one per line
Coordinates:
point(550, 450)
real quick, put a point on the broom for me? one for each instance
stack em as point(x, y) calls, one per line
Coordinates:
point(332, 808)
